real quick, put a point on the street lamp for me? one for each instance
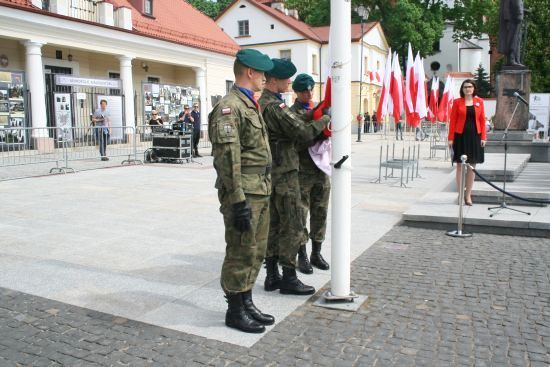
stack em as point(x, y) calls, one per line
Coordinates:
point(363, 12)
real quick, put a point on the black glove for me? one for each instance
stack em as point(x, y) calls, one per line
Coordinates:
point(241, 216)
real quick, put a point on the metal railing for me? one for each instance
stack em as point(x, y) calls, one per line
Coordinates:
point(65, 149)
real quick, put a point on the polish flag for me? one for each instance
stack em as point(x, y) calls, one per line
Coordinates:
point(410, 91)
point(371, 76)
point(446, 100)
point(396, 89)
point(420, 78)
point(434, 99)
point(377, 76)
point(382, 109)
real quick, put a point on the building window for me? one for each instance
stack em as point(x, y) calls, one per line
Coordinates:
point(285, 54)
point(153, 79)
point(114, 92)
point(228, 85)
point(365, 66)
point(377, 65)
point(243, 28)
point(314, 65)
point(148, 7)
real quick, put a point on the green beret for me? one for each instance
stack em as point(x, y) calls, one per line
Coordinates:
point(282, 69)
point(254, 59)
point(303, 82)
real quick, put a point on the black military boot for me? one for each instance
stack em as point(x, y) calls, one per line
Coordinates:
point(273, 277)
point(253, 311)
point(290, 284)
point(303, 262)
point(236, 316)
point(316, 257)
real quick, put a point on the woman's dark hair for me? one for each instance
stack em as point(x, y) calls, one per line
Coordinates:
point(469, 81)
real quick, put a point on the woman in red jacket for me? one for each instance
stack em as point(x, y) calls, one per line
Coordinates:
point(467, 133)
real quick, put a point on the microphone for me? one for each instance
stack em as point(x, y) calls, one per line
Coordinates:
point(516, 94)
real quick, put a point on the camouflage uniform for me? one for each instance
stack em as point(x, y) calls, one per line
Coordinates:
point(314, 191)
point(242, 159)
point(285, 130)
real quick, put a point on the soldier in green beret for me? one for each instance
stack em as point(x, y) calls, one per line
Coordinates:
point(242, 159)
point(286, 219)
point(314, 186)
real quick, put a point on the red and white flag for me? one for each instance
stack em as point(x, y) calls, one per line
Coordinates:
point(434, 100)
point(420, 78)
point(382, 109)
point(410, 91)
point(396, 90)
point(446, 100)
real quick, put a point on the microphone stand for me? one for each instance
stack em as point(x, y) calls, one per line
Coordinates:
point(503, 205)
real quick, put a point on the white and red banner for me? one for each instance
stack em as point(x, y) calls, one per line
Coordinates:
point(446, 102)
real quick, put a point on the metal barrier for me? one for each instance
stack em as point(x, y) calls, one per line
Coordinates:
point(402, 164)
point(62, 148)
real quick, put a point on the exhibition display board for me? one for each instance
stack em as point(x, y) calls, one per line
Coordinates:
point(12, 106)
point(168, 100)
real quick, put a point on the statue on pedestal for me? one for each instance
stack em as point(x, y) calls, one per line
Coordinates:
point(509, 31)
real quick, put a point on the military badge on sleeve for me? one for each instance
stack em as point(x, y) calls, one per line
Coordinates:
point(282, 105)
point(228, 129)
point(226, 111)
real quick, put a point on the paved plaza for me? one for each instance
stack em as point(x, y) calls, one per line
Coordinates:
point(120, 266)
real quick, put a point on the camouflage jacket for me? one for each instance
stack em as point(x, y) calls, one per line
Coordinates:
point(306, 163)
point(242, 156)
point(286, 129)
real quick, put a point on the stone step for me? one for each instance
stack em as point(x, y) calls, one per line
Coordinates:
point(493, 167)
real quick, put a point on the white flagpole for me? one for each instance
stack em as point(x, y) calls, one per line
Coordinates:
point(340, 48)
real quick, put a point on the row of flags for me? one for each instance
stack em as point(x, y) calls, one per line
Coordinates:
point(409, 96)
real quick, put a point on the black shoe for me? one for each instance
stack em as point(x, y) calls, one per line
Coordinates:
point(253, 311)
point(273, 277)
point(104, 158)
point(198, 155)
point(303, 262)
point(316, 258)
point(236, 317)
point(290, 284)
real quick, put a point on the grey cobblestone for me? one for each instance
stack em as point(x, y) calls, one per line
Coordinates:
point(439, 301)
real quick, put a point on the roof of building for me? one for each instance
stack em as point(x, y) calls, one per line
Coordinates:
point(318, 34)
point(173, 20)
point(465, 44)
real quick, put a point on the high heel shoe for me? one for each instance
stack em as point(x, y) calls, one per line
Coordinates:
point(468, 202)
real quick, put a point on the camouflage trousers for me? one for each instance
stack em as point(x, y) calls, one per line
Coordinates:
point(245, 251)
point(285, 224)
point(314, 194)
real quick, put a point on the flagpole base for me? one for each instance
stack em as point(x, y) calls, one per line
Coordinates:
point(351, 302)
point(459, 234)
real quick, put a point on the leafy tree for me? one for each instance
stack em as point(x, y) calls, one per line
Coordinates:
point(482, 80)
point(210, 8)
point(536, 49)
point(313, 12)
point(472, 18)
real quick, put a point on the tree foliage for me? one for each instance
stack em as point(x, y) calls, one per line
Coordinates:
point(210, 8)
point(472, 18)
point(483, 82)
point(536, 48)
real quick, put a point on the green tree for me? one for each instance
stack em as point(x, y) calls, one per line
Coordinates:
point(473, 18)
point(313, 12)
point(210, 8)
point(536, 48)
point(483, 82)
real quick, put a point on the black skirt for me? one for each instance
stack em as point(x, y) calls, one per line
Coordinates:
point(469, 142)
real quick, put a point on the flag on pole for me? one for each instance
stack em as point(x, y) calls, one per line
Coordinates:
point(413, 118)
point(446, 101)
point(396, 89)
point(382, 109)
point(420, 77)
point(434, 100)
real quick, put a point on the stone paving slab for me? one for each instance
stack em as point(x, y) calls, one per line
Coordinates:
point(433, 301)
point(146, 242)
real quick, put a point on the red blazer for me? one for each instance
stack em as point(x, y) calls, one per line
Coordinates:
point(458, 118)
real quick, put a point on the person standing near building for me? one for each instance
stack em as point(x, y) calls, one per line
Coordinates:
point(242, 159)
point(102, 122)
point(398, 130)
point(155, 119)
point(374, 122)
point(196, 116)
point(366, 128)
point(467, 134)
point(286, 227)
point(314, 186)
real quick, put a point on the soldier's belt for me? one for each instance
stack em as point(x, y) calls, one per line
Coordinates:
point(256, 170)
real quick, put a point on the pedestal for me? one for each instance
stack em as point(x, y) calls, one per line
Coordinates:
point(508, 82)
